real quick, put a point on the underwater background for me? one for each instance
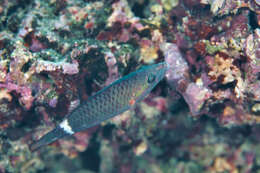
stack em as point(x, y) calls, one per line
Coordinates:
point(203, 117)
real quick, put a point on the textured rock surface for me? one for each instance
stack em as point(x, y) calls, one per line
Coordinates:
point(204, 117)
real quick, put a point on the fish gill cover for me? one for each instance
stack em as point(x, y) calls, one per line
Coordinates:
point(203, 117)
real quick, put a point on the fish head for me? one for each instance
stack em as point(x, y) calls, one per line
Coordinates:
point(149, 77)
point(155, 74)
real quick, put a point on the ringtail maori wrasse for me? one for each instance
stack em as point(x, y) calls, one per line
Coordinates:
point(112, 100)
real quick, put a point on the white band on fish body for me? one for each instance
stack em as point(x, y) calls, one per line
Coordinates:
point(66, 127)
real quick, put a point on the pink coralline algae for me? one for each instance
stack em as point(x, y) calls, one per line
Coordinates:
point(227, 86)
point(177, 66)
point(177, 76)
point(15, 79)
point(67, 68)
point(19, 81)
point(117, 21)
point(195, 96)
point(25, 92)
point(222, 7)
point(252, 49)
point(112, 68)
point(203, 96)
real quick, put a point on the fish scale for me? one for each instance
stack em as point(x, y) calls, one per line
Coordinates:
point(114, 99)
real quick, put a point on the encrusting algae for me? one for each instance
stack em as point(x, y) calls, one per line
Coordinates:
point(202, 117)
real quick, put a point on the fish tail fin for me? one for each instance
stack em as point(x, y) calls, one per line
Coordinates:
point(48, 138)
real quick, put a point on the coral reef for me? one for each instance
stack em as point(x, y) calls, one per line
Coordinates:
point(204, 117)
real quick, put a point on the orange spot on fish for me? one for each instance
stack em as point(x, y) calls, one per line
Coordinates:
point(132, 101)
point(89, 25)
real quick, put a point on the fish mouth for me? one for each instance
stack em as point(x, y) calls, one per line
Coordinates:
point(161, 66)
point(160, 71)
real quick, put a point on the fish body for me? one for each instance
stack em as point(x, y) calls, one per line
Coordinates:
point(112, 100)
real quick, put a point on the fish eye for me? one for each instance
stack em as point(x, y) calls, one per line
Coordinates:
point(151, 78)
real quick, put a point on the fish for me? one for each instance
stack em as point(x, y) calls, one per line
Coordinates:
point(112, 100)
